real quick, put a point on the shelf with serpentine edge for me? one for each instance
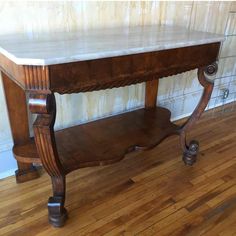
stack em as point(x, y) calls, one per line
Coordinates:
point(108, 140)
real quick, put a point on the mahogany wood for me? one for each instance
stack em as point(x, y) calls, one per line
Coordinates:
point(13, 71)
point(57, 212)
point(136, 130)
point(45, 106)
point(104, 141)
point(151, 90)
point(125, 70)
point(190, 151)
point(18, 117)
point(109, 72)
point(27, 152)
point(148, 193)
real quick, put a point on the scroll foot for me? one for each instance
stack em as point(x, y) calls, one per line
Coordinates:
point(57, 214)
point(190, 154)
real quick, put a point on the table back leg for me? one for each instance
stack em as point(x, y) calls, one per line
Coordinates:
point(151, 90)
point(18, 117)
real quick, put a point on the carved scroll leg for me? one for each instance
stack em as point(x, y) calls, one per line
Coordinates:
point(18, 117)
point(190, 150)
point(45, 107)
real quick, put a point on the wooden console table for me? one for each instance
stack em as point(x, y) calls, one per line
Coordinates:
point(44, 64)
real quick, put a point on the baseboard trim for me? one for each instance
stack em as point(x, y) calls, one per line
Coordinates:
point(7, 173)
point(6, 145)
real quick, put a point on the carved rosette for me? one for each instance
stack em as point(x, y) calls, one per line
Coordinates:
point(210, 71)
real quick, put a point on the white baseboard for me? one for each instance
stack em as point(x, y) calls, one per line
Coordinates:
point(6, 145)
point(7, 173)
point(8, 164)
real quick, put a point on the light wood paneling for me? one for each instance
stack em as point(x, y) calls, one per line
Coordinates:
point(229, 47)
point(210, 16)
point(231, 25)
point(227, 67)
point(233, 6)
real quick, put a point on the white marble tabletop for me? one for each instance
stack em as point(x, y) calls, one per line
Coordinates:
point(64, 47)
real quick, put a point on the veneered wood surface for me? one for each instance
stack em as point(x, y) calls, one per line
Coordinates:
point(18, 117)
point(125, 70)
point(192, 13)
point(110, 72)
point(151, 90)
point(105, 141)
point(13, 71)
point(17, 110)
point(147, 193)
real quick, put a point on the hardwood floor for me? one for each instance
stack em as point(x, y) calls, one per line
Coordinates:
point(147, 193)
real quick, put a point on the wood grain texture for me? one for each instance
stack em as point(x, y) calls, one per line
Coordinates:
point(145, 194)
point(108, 140)
point(45, 106)
point(112, 137)
point(110, 72)
point(105, 142)
point(44, 136)
point(190, 150)
point(18, 117)
point(36, 78)
point(125, 70)
point(12, 70)
point(38, 18)
point(151, 91)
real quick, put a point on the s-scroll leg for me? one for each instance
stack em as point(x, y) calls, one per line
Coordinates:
point(45, 106)
point(190, 150)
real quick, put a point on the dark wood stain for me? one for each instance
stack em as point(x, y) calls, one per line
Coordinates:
point(105, 141)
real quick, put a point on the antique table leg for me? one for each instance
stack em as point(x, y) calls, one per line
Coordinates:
point(45, 106)
point(18, 116)
point(151, 90)
point(190, 150)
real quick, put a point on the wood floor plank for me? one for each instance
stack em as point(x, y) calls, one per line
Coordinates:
point(147, 193)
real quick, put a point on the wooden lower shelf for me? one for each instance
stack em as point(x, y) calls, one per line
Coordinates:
point(107, 140)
